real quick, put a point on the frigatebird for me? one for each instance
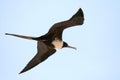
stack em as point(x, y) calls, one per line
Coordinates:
point(51, 41)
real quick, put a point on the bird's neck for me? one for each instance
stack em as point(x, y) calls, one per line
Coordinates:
point(58, 44)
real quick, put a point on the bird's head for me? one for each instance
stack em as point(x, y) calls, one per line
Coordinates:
point(66, 45)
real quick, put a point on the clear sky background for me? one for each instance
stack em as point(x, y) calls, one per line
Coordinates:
point(98, 41)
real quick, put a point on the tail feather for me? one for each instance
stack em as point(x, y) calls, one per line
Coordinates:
point(21, 36)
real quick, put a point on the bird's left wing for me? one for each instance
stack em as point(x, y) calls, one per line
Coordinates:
point(43, 53)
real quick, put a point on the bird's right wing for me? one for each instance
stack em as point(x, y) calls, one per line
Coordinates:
point(76, 19)
point(43, 53)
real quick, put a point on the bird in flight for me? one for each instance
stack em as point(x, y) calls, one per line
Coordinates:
point(52, 41)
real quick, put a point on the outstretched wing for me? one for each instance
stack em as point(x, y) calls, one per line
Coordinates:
point(76, 19)
point(43, 53)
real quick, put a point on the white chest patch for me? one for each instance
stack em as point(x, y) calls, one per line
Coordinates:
point(57, 43)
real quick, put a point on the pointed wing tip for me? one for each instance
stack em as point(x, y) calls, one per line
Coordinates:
point(81, 12)
point(22, 72)
point(80, 9)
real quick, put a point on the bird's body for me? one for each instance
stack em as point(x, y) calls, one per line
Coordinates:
point(57, 43)
point(51, 41)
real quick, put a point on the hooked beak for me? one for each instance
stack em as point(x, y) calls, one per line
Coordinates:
point(72, 47)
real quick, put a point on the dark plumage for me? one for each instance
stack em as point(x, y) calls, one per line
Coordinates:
point(50, 42)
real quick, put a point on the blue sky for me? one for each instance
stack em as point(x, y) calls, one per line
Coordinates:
point(98, 41)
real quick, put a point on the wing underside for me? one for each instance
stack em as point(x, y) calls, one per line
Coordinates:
point(76, 19)
point(43, 53)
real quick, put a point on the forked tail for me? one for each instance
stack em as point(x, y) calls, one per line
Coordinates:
point(21, 36)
